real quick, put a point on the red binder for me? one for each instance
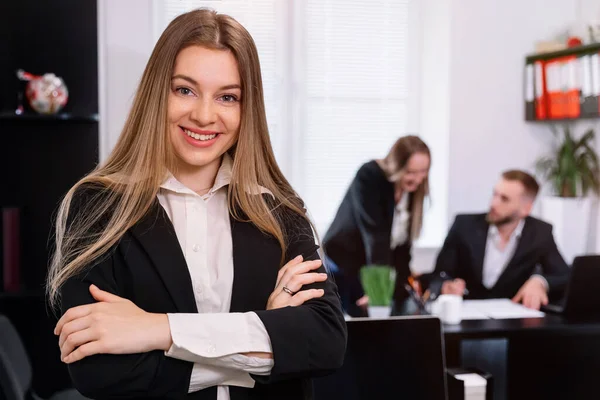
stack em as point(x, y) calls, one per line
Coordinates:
point(573, 87)
point(541, 91)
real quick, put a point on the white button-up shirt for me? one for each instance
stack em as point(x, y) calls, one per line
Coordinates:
point(497, 258)
point(400, 223)
point(214, 338)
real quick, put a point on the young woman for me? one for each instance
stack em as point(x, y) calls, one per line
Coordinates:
point(380, 216)
point(185, 265)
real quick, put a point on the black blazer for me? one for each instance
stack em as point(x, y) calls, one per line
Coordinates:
point(147, 266)
point(463, 253)
point(360, 232)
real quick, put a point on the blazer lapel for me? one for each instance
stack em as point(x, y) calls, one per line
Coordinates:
point(479, 244)
point(156, 234)
point(256, 259)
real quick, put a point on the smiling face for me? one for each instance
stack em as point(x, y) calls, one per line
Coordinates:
point(204, 108)
point(415, 172)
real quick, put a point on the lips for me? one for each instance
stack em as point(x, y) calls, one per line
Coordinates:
point(200, 135)
point(199, 138)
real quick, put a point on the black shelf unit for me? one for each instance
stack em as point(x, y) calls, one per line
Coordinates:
point(31, 116)
point(585, 49)
point(42, 156)
point(572, 104)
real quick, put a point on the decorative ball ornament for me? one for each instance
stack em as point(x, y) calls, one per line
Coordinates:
point(46, 94)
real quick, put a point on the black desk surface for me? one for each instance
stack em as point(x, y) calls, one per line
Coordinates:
point(490, 328)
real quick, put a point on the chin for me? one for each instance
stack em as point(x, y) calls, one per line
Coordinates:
point(198, 160)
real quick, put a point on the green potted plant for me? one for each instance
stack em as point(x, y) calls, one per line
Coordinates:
point(573, 172)
point(378, 282)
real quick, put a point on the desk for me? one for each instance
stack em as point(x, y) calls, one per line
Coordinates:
point(547, 358)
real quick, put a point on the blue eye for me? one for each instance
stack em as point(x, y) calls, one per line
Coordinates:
point(183, 91)
point(229, 98)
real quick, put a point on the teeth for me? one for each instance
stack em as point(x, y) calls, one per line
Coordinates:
point(199, 137)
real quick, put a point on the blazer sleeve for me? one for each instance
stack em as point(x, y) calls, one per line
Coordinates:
point(446, 266)
point(554, 268)
point(308, 340)
point(371, 216)
point(108, 376)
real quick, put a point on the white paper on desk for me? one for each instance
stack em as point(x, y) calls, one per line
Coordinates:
point(471, 311)
point(503, 309)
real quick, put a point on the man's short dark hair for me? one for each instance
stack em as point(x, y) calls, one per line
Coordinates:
point(529, 183)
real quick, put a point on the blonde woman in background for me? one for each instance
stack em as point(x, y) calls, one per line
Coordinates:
point(377, 221)
point(185, 265)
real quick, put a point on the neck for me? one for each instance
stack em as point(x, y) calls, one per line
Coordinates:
point(199, 179)
point(507, 229)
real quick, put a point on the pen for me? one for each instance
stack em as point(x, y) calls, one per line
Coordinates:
point(414, 296)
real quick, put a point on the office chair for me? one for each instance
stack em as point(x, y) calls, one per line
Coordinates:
point(392, 358)
point(15, 368)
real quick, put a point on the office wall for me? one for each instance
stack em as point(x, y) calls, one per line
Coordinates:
point(125, 40)
point(486, 128)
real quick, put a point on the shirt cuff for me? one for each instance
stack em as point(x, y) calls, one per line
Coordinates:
point(207, 336)
point(205, 376)
point(541, 278)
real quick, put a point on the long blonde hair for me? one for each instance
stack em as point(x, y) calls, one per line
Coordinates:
point(132, 174)
point(394, 166)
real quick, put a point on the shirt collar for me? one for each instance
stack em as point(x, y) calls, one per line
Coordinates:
point(493, 231)
point(223, 179)
point(403, 203)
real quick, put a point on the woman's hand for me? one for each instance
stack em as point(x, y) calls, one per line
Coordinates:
point(290, 280)
point(112, 326)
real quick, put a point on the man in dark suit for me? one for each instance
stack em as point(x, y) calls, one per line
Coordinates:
point(502, 254)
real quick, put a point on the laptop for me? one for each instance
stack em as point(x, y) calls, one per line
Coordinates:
point(582, 295)
point(396, 357)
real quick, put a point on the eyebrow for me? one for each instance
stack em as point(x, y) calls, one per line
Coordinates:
point(193, 82)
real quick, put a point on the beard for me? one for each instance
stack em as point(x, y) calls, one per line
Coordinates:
point(499, 221)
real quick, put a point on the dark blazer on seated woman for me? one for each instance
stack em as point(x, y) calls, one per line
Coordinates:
point(147, 266)
point(362, 231)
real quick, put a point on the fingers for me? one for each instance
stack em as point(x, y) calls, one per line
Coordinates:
point(86, 350)
point(72, 314)
point(75, 340)
point(452, 288)
point(295, 261)
point(535, 300)
point(297, 281)
point(518, 297)
point(305, 295)
point(363, 301)
point(298, 269)
point(456, 286)
point(74, 326)
point(545, 299)
point(459, 286)
point(101, 295)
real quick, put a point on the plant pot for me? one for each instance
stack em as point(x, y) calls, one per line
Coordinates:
point(570, 219)
point(379, 311)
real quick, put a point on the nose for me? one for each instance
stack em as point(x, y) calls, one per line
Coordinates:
point(419, 178)
point(204, 112)
point(494, 203)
